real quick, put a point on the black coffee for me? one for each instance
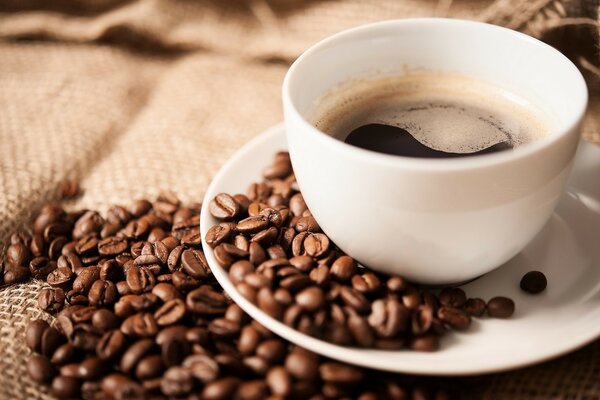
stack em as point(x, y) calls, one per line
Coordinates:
point(428, 115)
point(399, 142)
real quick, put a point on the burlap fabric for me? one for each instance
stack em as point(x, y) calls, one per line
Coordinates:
point(138, 96)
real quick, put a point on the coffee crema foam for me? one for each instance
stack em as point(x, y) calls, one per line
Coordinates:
point(443, 111)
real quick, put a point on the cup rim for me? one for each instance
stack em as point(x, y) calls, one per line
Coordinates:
point(458, 163)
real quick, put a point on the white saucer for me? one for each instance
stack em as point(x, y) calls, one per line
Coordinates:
point(564, 317)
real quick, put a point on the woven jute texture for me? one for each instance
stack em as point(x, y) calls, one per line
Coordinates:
point(133, 97)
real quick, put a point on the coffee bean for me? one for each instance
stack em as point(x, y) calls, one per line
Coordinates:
point(239, 270)
point(149, 367)
point(205, 300)
point(140, 325)
point(70, 370)
point(111, 345)
point(102, 293)
point(184, 282)
point(343, 268)
point(533, 282)
point(112, 246)
point(475, 307)
point(92, 368)
point(355, 299)
point(202, 367)
point(16, 274)
point(266, 237)
point(105, 320)
point(64, 354)
point(307, 224)
point(428, 342)
point(340, 373)
point(310, 299)
point(51, 300)
point(170, 312)
point(64, 387)
point(224, 207)
point(366, 283)
point(315, 245)
point(177, 381)
point(18, 254)
point(140, 280)
point(454, 317)
point(396, 284)
point(452, 297)
point(422, 319)
point(40, 267)
point(220, 233)
point(48, 214)
point(279, 381)
point(360, 330)
point(224, 388)
point(500, 307)
point(134, 354)
point(194, 263)
point(174, 350)
point(389, 317)
point(40, 369)
point(60, 277)
point(411, 298)
point(86, 278)
point(267, 302)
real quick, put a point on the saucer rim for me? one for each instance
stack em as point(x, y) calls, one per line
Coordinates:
point(352, 355)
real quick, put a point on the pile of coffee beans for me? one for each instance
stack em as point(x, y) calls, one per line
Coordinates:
point(279, 259)
point(138, 315)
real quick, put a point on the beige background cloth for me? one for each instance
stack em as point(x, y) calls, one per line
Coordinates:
point(132, 97)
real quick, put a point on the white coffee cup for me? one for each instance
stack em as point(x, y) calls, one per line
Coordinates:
point(434, 221)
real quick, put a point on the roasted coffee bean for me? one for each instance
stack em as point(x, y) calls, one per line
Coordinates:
point(40, 369)
point(396, 284)
point(223, 388)
point(366, 283)
point(311, 299)
point(428, 342)
point(360, 330)
point(140, 325)
point(452, 297)
point(105, 320)
point(64, 354)
point(40, 267)
point(18, 254)
point(111, 246)
point(64, 387)
point(102, 293)
point(194, 263)
point(279, 381)
point(205, 300)
point(389, 317)
point(239, 270)
point(258, 365)
point(92, 368)
point(224, 328)
point(48, 214)
point(85, 279)
point(174, 350)
point(533, 282)
point(320, 275)
point(422, 319)
point(51, 300)
point(252, 390)
point(70, 370)
point(224, 207)
point(149, 367)
point(218, 234)
point(166, 292)
point(170, 312)
point(266, 237)
point(56, 246)
point(177, 381)
point(267, 302)
point(184, 282)
point(140, 280)
point(111, 345)
point(202, 367)
point(475, 307)
point(16, 274)
point(87, 245)
point(500, 307)
point(411, 298)
point(355, 299)
point(454, 317)
point(343, 268)
point(135, 353)
point(252, 225)
point(315, 245)
point(71, 261)
point(340, 373)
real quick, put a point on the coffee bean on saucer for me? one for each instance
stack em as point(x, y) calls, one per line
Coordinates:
point(533, 282)
point(500, 307)
point(475, 307)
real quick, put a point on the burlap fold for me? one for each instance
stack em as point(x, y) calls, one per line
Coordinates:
point(138, 96)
